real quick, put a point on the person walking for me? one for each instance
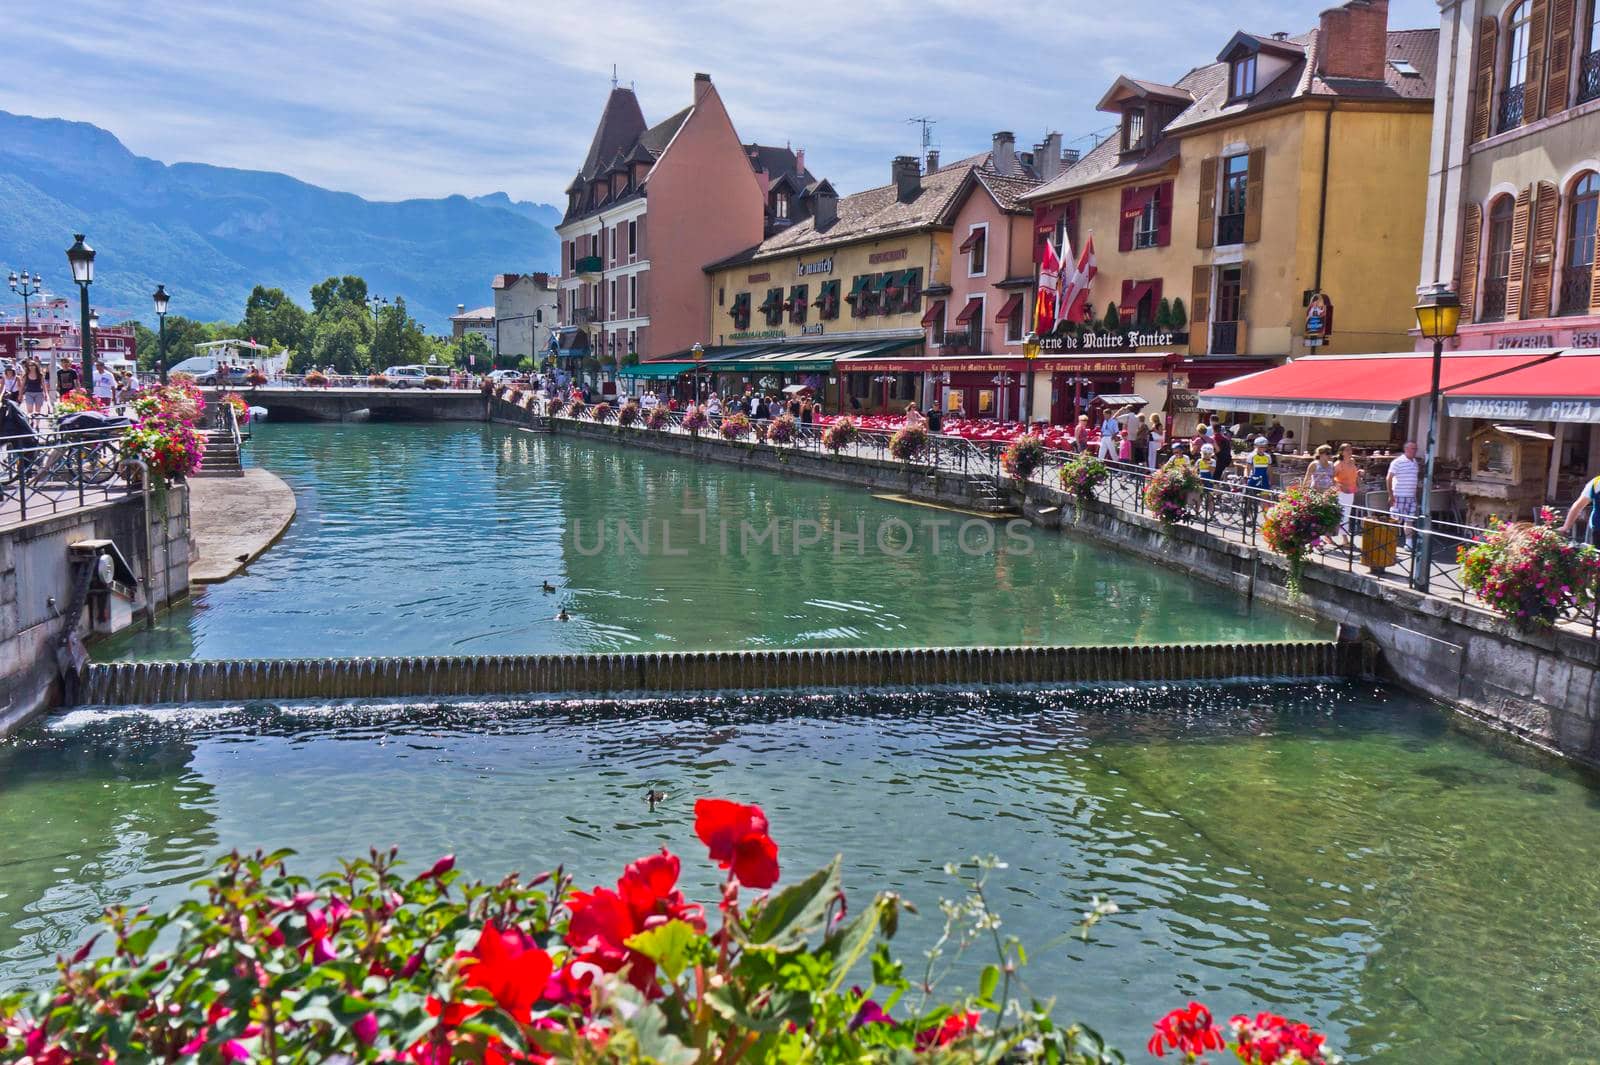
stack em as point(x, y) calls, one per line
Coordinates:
point(1109, 428)
point(1124, 447)
point(11, 386)
point(1347, 479)
point(1206, 464)
point(1080, 434)
point(1319, 472)
point(1402, 480)
point(1155, 440)
point(35, 388)
point(105, 386)
point(1588, 502)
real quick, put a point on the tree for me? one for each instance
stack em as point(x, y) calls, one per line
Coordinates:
point(273, 319)
point(1113, 320)
point(472, 350)
point(398, 340)
point(335, 290)
point(182, 335)
point(1180, 317)
point(340, 340)
point(1164, 314)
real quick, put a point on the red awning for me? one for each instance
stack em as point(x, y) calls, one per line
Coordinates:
point(1365, 388)
point(1009, 308)
point(973, 239)
point(935, 312)
point(1563, 389)
point(934, 364)
point(973, 307)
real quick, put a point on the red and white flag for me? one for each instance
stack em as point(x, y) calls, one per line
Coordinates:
point(1046, 306)
point(1077, 286)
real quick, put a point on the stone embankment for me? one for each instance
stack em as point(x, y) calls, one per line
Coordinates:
point(235, 520)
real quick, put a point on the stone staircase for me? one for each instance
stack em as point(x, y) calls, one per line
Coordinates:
point(222, 456)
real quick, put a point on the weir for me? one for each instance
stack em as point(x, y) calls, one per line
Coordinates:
point(155, 683)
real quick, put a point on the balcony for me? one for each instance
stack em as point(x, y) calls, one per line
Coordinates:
point(1510, 108)
point(589, 264)
point(1576, 286)
point(1224, 338)
point(585, 315)
point(1494, 300)
point(1230, 229)
point(1589, 77)
point(965, 342)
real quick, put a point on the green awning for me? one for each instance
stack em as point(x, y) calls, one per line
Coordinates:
point(810, 357)
point(658, 371)
point(860, 284)
point(881, 282)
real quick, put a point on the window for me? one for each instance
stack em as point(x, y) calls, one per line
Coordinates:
point(633, 341)
point(798, 303)
point(1133, 129)
point(1578, 266)
point(612, 302)
point(1235, 195)
point(772, 307)
point(973, 248)
point(937, 333)
point(633, 238)
point(828, 301)
point(1147, 227)
point(1014, 325)
point(1242, 78)
point(780, 207)
point(633, 295)
point(1516, 65)
point(1497, 267)
point(1230, 311)
point(1589, 61)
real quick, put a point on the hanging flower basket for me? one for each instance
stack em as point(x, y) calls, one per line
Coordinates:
point(1022, 456)
point(255, 378)
point(1171, 492)
point(377, 380)
point(840, 435)
point(695, 421)
point(656, 418)
point(599, 412)
point(1082, 474)
point(735, 427)
point(781, 430)
point(628, 413)
point(1300, 519)
point(1529, 573)
point(908, 443)
point(316, 379)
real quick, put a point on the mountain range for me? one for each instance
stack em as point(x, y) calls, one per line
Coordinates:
point(211, 233)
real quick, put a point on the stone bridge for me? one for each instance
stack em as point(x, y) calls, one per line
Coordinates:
point(390, 404)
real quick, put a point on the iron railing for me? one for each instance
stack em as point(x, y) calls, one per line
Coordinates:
point(1511, 108)
point(1589, 77)
point(63, 472)
point(965, 342)
point(1493, 308)
point(1230, 229)
point(1224, 338)
point(1577, 283)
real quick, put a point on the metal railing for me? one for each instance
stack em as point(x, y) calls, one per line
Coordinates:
point(1230, 229)
point(965, 342)
point(64, 472)
point(1577, 281)
point(1511, 108)
point(1224, 338)
point(1493, 308)
point(1589, 77)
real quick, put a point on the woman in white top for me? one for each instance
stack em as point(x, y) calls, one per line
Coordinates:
point(714, 406)
point(1157, 438)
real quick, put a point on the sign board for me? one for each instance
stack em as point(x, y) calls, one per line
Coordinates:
point(1183, 401)
point(812, 330)
point(756, 279)
point(821, 266)
point(757, 334)
point(888, 256)
point(1319, 317)
point(1525, 409)
point(1122, 340)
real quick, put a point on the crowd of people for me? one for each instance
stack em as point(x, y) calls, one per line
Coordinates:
point(27, 382)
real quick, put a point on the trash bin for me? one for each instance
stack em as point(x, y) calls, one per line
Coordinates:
point(1380, 543)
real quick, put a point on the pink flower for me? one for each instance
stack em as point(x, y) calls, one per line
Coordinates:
point(366, 1029)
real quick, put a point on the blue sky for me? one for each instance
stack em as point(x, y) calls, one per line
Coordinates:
point(400, 98)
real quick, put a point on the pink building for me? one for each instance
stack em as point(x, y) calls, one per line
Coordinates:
point(650, 206)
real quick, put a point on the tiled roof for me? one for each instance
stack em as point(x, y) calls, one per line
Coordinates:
point(1007, 190)
point(1209, 87)
point(620, 125)
point(485, 314)
point(621, 140)
point(779, 162)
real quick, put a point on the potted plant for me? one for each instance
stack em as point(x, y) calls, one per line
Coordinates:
point(255, 378)
point(376, 380)
point(1082, 474)
point(695, 420)
point(735, 426)
point(316, 379)
point(628, 413)
point(1171, 492)
point(600, 412)
point(1023, 456)
point(657, 418)
point(782, 429)
point(908, 442)
point(1529, 573)
point(435, 382)
point(1300, 519)
point(840, 435)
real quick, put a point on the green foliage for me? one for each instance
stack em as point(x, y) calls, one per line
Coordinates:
point(182, 335)
point(1180, 317)
point(1164, 314)
point(340, 340)
point(475, 346)
point(325, 295)
point(397, 340)
point(1113, 318)
point(273, 319)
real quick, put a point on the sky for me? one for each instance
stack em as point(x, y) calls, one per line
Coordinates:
point(395, 99)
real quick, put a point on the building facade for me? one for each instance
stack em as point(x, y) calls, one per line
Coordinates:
point(524, 315)
point(650, 206)
point(478, 321)
point(1287, 174)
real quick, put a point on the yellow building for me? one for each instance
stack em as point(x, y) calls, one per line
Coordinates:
point(1286, 179)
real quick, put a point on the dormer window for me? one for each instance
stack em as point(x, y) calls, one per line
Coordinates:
point(1133, 129)
point(1242, 77)
point(780, 206)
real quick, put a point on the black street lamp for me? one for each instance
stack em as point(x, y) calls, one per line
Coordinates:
point(25, 288)
point(81, 257)
point(1438, 315)
point(160, 299)
point(697, 352)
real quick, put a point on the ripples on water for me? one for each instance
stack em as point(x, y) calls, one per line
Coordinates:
point(1334, 852)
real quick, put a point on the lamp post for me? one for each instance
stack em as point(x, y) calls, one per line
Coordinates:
point(1030, 351)
point(25, 288)
point(698, 352)
point(1438, 315)
point(160, 299)
point(81, 258)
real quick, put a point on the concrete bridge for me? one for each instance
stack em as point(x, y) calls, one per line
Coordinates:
point(299, 403)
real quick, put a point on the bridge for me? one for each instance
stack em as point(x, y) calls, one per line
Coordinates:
point(302, 403)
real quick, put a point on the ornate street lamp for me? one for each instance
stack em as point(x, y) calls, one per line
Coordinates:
point(159, 297)
point(81, 258)
point(1438, 315)
point(1030, 351)
point(698, 352)
point(24, 287)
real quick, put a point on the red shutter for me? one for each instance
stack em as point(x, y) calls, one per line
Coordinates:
point(1164, 216)
point(1129, 294)
point(1125, 222)
point(1155, 293)
point(1044, 227)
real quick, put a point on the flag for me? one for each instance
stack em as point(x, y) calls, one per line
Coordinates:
point(1045, 305)
point(1063, 275)
point(1078, 287)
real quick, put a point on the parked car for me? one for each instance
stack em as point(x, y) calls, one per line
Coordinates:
point(405, 376)
point(203, 368)
point(506, 377)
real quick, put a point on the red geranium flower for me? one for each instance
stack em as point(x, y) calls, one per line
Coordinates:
point(603, 920)
point(736, 836)
point(954, 1027)
point(1269, 1038)
point(1190, 1030)
point(506, 964)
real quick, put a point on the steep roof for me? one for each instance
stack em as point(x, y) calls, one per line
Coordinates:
point(620, 125)
point(621, 140)
point(1208, 85)
point(1007, 190)
point(482, 314)
point(778, 163)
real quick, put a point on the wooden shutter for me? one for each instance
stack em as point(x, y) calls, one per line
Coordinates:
point(1253, 192)
point(1533, 88)
point(1471, 238)
point(1594, 272)
point(1483, 78)
point(1206, 237)
point(1123, 305)
point(1199, 310)
point(1164, 216)
point(1242, 346)
point(1558, 76)
point(1125, 221)
point(1521, 216)
point(1542, 261)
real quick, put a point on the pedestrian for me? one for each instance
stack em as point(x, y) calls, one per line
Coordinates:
point(1223, 442)
point(1402, 480)
point(808, 412)
point(1319, 472)
point(105, 386)
point(1180, 455)
point(1588, 500)
point(11, 385)
point(1258, 466)
point(935, 419)
point(1124, 447)
point(1347, 479)
point(66, 378)
point(1206, 464)
point(1141, 438)
point(35, 388)
point(1275, 433)
point(1080, 433)
point(914, 418)
point(714, 406)
point(1156, 439)
point(1109, 428)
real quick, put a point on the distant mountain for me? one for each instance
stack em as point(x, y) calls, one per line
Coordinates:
point(211, 233)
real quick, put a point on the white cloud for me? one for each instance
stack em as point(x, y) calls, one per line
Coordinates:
point(400, 98)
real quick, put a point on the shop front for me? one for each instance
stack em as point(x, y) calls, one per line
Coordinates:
point(1088, 384)
point(976, 387)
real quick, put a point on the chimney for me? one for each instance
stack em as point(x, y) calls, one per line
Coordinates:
point(461, 308)
point(702, 85)
point(1353, 40)
point(1005, 153)
point(824, 206)
point(907, 177)
point(1048, 155)
point(1069, 158)
point(933, 160)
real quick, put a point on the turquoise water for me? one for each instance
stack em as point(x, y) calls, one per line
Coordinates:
point(1335, 853)
point(437, 539)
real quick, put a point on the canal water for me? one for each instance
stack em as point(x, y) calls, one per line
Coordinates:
point(1334, 853)
point(438, 539)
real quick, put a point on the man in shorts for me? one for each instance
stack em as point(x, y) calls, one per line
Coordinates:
point(1405, 475)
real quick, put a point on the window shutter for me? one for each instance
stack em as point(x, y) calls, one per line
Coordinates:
point(1164, 216)
point(1467, 284)
point(1594, 274)
point(1206, 237)
point(1125, 222)
point(1533, 91)
point(1483, 87)
point(1199, 309)
point(1155, 292)
point(1242, 346)
point(1252, 195)
point(1520, 219)
point(1558, 78)
point(1126, 301)
point(1542, 265)
point(1071, 222)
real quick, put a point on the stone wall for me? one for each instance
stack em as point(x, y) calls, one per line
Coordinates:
point(36, 586)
